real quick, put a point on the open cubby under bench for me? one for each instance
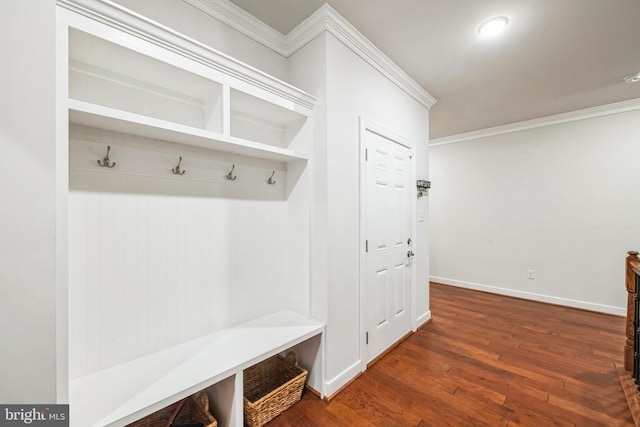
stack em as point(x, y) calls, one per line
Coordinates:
point(127, 392)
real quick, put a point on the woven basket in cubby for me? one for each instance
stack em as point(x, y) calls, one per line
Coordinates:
point(191, 410)
point(271, 387)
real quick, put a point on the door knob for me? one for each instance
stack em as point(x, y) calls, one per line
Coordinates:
point(410, 254)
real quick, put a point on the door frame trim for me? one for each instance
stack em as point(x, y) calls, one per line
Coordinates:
point(367, 125)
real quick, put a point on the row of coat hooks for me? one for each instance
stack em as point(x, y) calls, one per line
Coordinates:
point(106, 163)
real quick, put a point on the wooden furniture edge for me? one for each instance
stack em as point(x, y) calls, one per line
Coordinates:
point(632, 267)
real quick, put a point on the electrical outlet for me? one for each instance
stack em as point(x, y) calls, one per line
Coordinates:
point(531, 274)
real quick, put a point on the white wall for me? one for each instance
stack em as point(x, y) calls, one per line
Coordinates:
point(352, 89)
point(308, 70)
point(423, 308)
point(188, 20)
point(561, 200)
point(28, 212)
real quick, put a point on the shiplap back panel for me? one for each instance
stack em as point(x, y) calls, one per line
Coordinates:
point(157, 261)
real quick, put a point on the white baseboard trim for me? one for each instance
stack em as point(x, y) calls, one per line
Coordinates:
point(602, 308)
point(342, 379)
point(422, 319)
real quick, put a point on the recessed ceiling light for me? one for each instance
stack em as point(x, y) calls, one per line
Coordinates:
point(632, 78)
point(493, 26)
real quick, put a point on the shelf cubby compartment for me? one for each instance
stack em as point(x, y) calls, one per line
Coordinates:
point(101, 117)
point(259, 120)
point(107, 74)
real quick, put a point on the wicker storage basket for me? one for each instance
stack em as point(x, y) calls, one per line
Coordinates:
point(271, 387)
point(193, 409)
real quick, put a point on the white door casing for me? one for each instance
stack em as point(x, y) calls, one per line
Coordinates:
point(387, 226)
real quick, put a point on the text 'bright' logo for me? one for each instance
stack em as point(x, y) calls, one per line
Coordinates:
point(40, 415)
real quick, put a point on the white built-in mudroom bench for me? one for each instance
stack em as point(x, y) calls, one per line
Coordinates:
point(184, 216)
point(139, 387)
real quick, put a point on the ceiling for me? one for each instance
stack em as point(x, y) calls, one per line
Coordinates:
point(554, 57)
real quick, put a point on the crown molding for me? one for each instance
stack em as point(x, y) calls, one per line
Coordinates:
point(325, 19)
point(243, 22)
point(572, 116)
point(127, 21)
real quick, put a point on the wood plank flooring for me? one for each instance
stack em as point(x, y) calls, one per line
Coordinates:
point(486, 360)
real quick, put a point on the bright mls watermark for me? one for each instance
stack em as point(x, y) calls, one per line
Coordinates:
point(34, 415)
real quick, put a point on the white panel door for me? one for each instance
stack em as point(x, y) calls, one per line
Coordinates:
point(388, 227)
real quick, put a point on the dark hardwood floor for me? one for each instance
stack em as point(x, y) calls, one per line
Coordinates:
point(486, 360)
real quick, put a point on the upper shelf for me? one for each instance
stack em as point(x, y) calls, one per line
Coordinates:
point(102, 117)
point(134, 389)
point(124, 84)
point(111, 75)
point(155, 40)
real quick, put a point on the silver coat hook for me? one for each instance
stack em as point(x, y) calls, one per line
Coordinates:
point(271, 181)
point(230, 175)
point(177, 170)
point(106, 163)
